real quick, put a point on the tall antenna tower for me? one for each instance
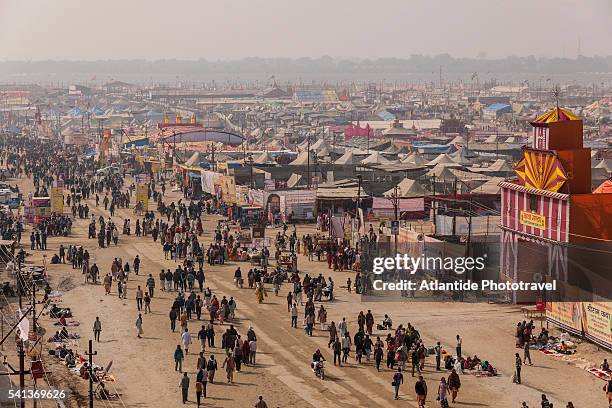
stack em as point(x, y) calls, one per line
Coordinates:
point(556, 94)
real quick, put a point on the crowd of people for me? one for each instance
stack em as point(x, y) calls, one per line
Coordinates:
point(201, 316)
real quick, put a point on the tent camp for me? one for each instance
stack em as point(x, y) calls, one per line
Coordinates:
point(302, 159)
point(489, 187)
point(347, 158)
point(264, 158)
point(340, 190)
point(442, 158)
point(414, 158)
point(375, 158)
point(408, 188)
point(296, 180)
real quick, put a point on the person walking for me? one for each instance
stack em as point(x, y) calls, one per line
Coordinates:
point(261, 403)
point(333, 333)
point(310, 319)
point(608, 390)
point(458, 347)
point(211, 367)
point(414, 358)
point(147, 303)
point(454, 383)
point(342, 327)
point(200, 386)
point(178, 358)
point(526, 353)
point(97, 329)
point(238, 354)
point(139, 331)
point(201, 363)
point(151, 285)
point(252, 351)
point(139, 297)
point(186, 340)
point(202, 378)
point(438, 353)
point(519, 364)
point(346, 347)
point(173, 316)
point(108, 281)
point(294, 315)
point(443, 393)
point(378, 356)
point(337, 347)
point(202, 338)
point(398, 379)
point(136, 264)
point(420, 388)
point(230, 365)
point(184, 385)
point(123, 284)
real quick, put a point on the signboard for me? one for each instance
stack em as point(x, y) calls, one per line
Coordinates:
point(258, 232)
point(244, 236)
point(597, 322)
point(142, 194)
point(155, 166)
point(57, 200)
point(228, 189)
point(594, 319)
point(242, 195)
point(260, 243)
point(395, 227)
point(256, 197)
point(533, 220)
point(142, 178)
point(41, 202)
point(269, 185)
point(567, 315)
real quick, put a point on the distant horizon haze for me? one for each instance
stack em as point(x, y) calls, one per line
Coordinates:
point(73, 30)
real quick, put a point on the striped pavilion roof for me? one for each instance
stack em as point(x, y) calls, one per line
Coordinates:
point(517, 187)
point(555, 115)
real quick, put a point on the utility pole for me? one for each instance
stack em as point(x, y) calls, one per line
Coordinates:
point(395, 228)
point(359, 178)
point(395, 201)
point(333, 154)
point(469, 236)
point(434, 204)
point(308, 162)
point(395, 209)
point(213, 162)
point(90, 354)
point(358, 220)
point(454, 213)
point(20, 351)
point(250, 161)
point(34, 329)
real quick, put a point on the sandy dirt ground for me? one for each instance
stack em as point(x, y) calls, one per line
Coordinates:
point(144, 368)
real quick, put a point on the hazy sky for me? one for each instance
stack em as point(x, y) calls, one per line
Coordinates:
point(230, 29)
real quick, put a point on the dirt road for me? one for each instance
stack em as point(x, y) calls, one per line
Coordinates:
point(144, 368)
